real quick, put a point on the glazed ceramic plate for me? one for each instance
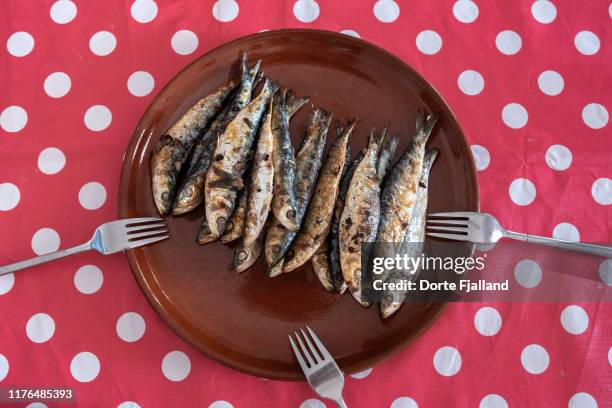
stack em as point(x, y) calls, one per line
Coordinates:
point(243, 320)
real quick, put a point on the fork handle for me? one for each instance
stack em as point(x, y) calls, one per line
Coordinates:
point(42, 259)
point(599, 250)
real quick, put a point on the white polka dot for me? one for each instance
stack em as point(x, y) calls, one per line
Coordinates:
point(13, 119)
point(610, 356)
point(40, 328)
point(130, 327)
point(551, 83)
point(63, 11)
point(144, 11)
point(522, 191)
point(493, 401)
point(595, 116)
point(36, 405)
point(574, 319)
point(605, 273)
point(515, 115)
point(429, 42)
point(184, 42)
point(352, 33)
point(7, 281)
point(92, 195)
point(88, 279)
point(447, 361)
point(582, 400)
point(57, 84)
point(85, 366)
point(508, 42)
point(102, 43)
point(534, 359)
point(140, 83)
point(225, 10)
point(20, 44)
point(4, 367)
point(482, 158)
point(566, 232)
point(306, 11)
point(220, 404)
point(528, 273)
point(51, 160)
point(587, 43)
point(465, 11)
point(470, 82)
point(601, 190)
point(404, 402)
point(558, 157)
point(544, 11)
point(312, 403)
point(487, 321)
point(45, 240)
point(362, 374)
point(386, 11)
point(9, 196)
point(98, 118)
point(176, 366)
point(129, 404)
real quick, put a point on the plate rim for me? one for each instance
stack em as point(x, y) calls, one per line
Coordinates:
point(134, 254)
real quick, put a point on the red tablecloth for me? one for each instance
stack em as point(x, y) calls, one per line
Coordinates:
point(529, 82)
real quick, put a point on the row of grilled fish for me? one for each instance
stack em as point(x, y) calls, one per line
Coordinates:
point(234, 154)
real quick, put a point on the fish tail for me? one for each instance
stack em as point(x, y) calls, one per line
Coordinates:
point(424, 131)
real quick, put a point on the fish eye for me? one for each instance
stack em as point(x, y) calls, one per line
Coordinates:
point(243, 255)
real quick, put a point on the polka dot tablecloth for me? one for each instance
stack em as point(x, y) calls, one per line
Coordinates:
point(529, 82)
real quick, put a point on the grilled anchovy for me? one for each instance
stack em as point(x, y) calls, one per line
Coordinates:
point(334, 242)
point(413, 241)
point(224, 176)
point(317, 223)
point(262, 180)
point(385, 158)
point(246, 255)
point(399, 192)
point(235, 226)
point(308, 163)
point(284, 204)
point(176, 144)
point(191, 193)
point(320, 266)
point(360, 217)
point(204, 235)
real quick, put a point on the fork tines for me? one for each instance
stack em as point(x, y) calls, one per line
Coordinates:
point(144, 231)
point(308, 352)
point(448, 225)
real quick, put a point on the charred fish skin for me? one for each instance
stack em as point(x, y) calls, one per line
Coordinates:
point(399, 192)
point(262, 185)
point(283, 156)
point(320, 266)
point(317, 223)
point(246, 255)
point(175, 145)
point(235, 226)
point(360, 217)
point(413, 241)
point(224, 176)
point(191, 193)
point(334, 239)
point(385, 158)
point(204, 234)
point(308, 163)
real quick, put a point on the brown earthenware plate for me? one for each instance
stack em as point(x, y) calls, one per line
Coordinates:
point(243, 320)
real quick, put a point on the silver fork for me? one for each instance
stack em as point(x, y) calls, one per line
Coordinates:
point(484, 228)
point(108, 238)
point(322, 372)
